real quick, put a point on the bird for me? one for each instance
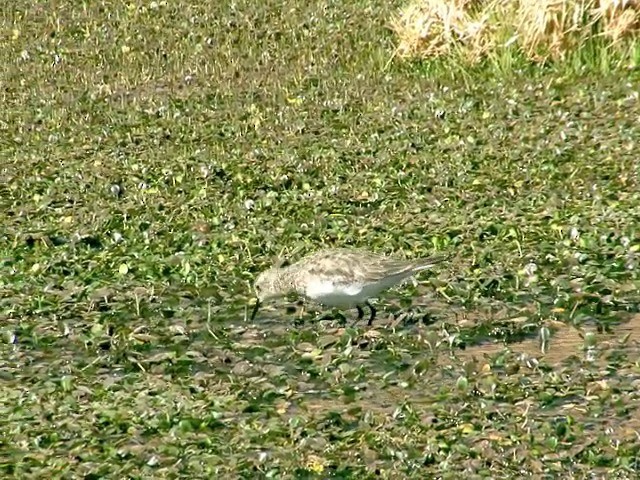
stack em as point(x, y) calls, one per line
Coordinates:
point(339, 277)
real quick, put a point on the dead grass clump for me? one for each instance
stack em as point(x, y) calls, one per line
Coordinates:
point(619, 18)
point(433, 28)
point(541, 29)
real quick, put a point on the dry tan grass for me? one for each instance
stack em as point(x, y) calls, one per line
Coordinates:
point(542, 29)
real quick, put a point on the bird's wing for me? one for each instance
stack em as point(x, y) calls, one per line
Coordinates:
point(385, 267)
point(376, 267)
point(362, 267)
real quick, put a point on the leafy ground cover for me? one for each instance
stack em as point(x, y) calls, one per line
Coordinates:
point(157, 155)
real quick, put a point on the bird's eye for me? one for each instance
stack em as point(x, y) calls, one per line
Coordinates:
point(257, 288)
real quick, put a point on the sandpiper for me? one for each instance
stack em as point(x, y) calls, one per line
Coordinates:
point(339, 277)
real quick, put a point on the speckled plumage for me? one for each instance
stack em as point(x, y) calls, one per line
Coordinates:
point(341, 277)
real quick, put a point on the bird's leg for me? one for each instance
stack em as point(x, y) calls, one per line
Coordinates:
point(373, 313)
point(360, 316)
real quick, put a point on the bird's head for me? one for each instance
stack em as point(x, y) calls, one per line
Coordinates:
point(267, 286)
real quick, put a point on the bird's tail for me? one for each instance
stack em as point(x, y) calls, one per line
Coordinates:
point(424, 263)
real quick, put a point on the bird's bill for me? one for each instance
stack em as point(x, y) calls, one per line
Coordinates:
point(256, 307)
